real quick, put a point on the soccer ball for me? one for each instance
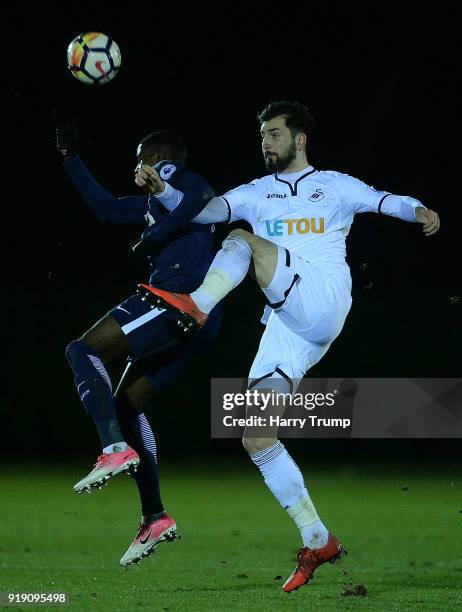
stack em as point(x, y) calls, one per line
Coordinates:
point(93, 58)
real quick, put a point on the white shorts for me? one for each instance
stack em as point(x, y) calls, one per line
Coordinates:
point(309, 308)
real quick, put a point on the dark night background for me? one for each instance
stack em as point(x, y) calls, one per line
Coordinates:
point(382, 84)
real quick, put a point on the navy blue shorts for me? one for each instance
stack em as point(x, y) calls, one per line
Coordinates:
point(152, 334)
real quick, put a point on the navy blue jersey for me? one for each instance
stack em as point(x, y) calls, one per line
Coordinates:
point(187, 247)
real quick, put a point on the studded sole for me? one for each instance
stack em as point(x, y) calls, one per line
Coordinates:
point(167, 536)
point(130, 467)
point(185, 321)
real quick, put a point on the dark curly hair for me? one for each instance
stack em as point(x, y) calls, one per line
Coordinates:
point(168, 142)
point(298, 117)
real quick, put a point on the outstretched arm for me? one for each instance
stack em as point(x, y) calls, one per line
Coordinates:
point(206, 210)
point(106, 207)
point(360, 198)
point(130, 209)
point(215, 211)
point(410, 209)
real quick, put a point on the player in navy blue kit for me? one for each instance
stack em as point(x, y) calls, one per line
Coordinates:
point(179, 253)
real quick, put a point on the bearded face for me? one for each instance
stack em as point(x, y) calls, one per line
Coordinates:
point(278, 161)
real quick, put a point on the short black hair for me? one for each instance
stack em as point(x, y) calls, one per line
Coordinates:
point(298, 117)
point(170, 143)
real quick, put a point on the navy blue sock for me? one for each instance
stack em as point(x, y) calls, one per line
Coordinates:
point(95, 390)
point(139, 435)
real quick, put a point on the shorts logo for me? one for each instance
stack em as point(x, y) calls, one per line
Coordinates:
point(317, 196)
point(149, 218)
point(122, 308)
point(283, 227)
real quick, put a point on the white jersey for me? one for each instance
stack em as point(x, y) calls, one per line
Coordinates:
point(310, 212)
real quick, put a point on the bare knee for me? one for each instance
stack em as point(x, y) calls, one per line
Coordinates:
point(258, 245)
point(264, 255)
point(254, 445)
point(242, 234)
point(238, 239)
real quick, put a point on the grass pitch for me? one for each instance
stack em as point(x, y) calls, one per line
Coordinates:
point(402, 531)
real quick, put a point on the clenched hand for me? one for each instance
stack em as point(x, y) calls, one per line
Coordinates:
point(430, 220)
point(148, 179)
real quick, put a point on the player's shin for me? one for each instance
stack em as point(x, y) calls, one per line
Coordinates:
point(139, 435)
point(95, 391)
point(285, 481)
point(227, 271)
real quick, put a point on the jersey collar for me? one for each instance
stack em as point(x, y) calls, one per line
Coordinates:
point(297, 176)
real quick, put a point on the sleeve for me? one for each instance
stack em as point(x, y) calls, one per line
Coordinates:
point(130, 209)
point(226, 208)
point(170, 170)
point(360, 198)
point(196, 195)
point(170, 198)
point(216, 211)
point(240, 202)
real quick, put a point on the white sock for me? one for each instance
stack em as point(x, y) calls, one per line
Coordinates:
point(117, 447)
point(285, 481)
point(228, 269)
point(313, 531)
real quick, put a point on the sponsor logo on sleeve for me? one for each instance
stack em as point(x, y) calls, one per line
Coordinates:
point(167, 171)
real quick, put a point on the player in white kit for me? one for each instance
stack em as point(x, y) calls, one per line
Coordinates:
point(300, 218)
